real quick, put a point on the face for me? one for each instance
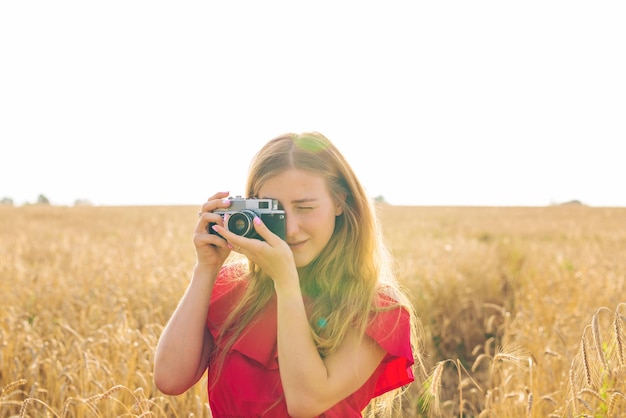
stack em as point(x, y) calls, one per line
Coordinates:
point(309, 209)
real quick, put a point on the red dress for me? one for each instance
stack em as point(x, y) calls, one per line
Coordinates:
point(249, 384)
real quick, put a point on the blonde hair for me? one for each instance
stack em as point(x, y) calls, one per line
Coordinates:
point(344, 280)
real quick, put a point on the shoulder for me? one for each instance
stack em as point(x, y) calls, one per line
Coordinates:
point(389, 296)
point(391, 327)
point(390, 324)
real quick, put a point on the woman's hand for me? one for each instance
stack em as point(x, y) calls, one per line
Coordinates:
point(272, 255)
point(211, 249)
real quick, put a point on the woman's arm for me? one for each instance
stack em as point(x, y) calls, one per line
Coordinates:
point(182, 353)
point(183, 350)
point(313, 385)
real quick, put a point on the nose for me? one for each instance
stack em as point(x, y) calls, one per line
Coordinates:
point(291, 224)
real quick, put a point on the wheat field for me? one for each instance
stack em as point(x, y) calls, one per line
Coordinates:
point(523, 309)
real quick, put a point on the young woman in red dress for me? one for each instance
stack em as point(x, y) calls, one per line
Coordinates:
point(314, 325)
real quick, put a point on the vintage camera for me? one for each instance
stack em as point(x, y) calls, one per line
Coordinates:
point(242, 212)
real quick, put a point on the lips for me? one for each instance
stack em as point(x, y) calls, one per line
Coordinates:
point(296, 245)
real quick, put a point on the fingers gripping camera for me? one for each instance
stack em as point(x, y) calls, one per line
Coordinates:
point(242, 212)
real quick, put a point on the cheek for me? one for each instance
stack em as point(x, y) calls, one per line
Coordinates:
point(326, 225)
point(321, 224)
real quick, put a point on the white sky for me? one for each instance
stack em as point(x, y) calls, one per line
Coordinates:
point(434, 103)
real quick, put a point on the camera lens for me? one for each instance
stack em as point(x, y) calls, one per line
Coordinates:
point(240, 223)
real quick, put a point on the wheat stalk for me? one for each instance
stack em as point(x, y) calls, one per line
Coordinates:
point(28, 401)
point(432, 390)
point(591, 392)
point(595, 331)
point(12, 386)
point(585, 358)
point(612, 401)
point(550, 399)
point(584, 403)
point(619, 336)
point(531, 390)
point(92, 400)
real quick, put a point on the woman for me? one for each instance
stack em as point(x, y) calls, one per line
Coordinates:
point(312, 325)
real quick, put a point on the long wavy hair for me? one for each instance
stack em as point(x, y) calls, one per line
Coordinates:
point(342, 282)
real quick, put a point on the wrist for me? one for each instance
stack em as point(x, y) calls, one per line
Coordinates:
point(288, 287)
point(205, 271)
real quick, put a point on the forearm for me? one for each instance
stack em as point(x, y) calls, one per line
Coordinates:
point(302, 370)
point(180, 354)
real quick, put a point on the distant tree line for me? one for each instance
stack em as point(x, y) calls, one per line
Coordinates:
point(42, 200)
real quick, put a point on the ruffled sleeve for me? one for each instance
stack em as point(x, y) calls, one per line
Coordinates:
point(391, 329)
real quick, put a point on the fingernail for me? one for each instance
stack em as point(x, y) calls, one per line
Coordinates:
point(230, 247)
point(257, 220)
point(225, 200)
point(214, 227)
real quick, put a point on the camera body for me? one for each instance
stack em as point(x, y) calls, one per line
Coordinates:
point(242, 212)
